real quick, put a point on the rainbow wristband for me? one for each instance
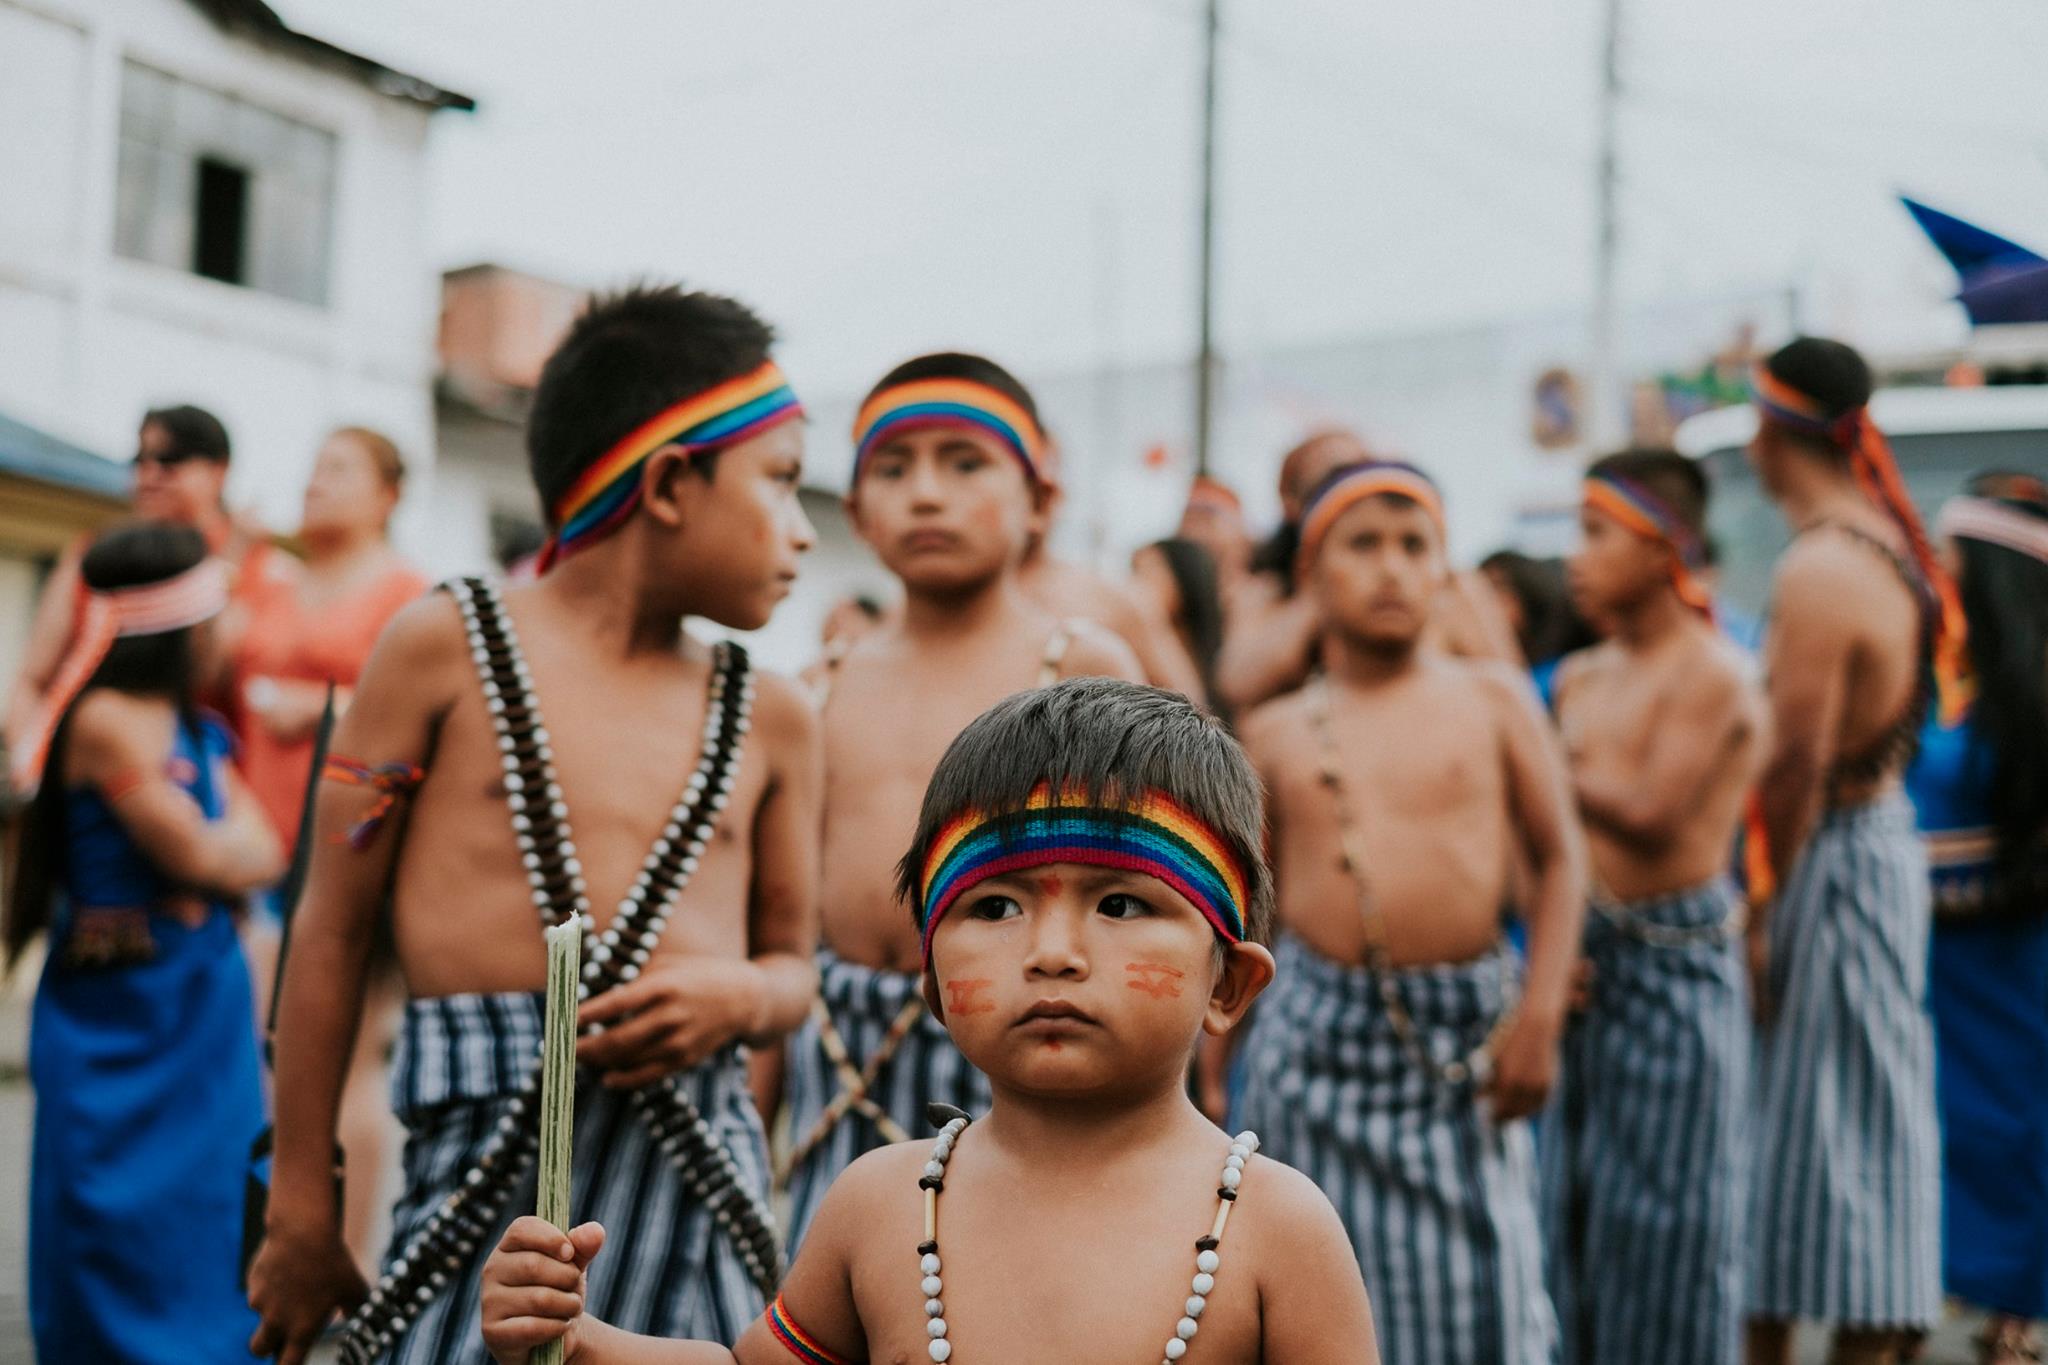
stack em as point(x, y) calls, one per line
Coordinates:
point(801, 1344)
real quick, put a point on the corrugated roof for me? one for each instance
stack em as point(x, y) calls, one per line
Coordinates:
point(257, 21)
point(33, 454)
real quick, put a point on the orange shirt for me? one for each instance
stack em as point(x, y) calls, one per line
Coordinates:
point(289, 642)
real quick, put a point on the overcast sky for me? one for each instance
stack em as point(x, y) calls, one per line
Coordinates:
point(887, 176)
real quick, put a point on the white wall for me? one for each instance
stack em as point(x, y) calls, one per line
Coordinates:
point(89, 340)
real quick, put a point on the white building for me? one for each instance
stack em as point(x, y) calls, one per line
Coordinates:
point(203, 205)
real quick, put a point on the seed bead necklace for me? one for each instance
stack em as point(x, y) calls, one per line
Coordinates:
point(952, 1123)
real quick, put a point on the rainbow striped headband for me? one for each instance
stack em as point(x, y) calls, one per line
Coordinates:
point(1154, 835)
point(604, 495)
point(1352, 484)
point(922, 403)
point(1643, 512)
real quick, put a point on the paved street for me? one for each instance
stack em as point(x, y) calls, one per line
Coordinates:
point(1950, 1348)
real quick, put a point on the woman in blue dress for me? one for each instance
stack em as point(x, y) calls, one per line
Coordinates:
point(1980, 786)
point(142, 1043)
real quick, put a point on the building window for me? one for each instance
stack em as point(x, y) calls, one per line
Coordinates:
point(222, 188)
point(220, 226)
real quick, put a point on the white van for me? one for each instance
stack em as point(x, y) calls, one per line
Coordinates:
point(1941, 436)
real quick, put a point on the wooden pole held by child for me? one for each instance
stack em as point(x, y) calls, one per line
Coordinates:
point(558, 1086)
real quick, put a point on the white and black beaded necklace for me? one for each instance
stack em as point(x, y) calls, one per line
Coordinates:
point(951, 1123)
point(444, 1245)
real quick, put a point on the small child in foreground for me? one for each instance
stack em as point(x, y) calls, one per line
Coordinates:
point(1091, 897)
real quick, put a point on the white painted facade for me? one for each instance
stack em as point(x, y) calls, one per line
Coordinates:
point(90, 339)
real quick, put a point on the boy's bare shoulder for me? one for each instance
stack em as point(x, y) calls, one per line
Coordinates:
point(864, 1192)
point(1267, 727)
point(1284, 1217)
point(427, 633)
point(1096, 651)
point(782, 709)
point(1502, 686)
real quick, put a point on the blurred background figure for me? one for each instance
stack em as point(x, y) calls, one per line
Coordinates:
point(1267, 649)
point(312, 626)
point(1535, 603)
point(850, 618)
point(1075, 592)
point(307, 629)
point(180, 478)
point(1980, 787)
point(138, 841)
point(1214, 519)
point(1178, 583)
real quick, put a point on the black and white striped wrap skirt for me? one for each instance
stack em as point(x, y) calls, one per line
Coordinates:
point(666, 1268)
point(1439, 1199)
point(1644, 1147)
point(1845, 1213)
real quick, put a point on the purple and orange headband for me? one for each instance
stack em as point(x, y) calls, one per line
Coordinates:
point(1352, 484)
point(604, 495)
point(1646, 514)
point(1151, 834)
point(922, 403)
point(1877, 474)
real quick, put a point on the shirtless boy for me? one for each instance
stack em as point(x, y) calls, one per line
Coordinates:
point(1090, 896)
point(1845, 1212)
point(947, 489)
point(664, 445)
point(1392, 1062)
point(1665, 727)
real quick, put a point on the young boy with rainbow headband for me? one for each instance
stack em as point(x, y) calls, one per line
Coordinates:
point(1396, 1056)
point(1090, 898)
point(666, 446)
point(949, 488)
point(1645, 1153)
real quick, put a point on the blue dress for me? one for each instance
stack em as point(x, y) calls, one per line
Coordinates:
point(142, 1049)
point(1988, 989)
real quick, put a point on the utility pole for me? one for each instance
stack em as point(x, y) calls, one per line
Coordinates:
point(1601, 426)
point(1205, 355)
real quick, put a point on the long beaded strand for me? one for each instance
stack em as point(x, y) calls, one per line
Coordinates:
point(451, 1235)
point(1207, 1258)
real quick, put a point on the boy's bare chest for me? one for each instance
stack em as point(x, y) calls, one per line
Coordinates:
point(1025, 1286)
point(1420, 761)
point(1612, 712)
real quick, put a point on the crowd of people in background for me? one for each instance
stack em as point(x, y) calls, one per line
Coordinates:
point(1632, 981)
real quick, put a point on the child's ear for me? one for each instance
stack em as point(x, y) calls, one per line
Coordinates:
point(1247, 970)
point(667, 483)
point(929, 984)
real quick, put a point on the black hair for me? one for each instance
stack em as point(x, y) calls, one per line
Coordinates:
point(1277, 553)
point(2005, 601)
point(1551, 626)
point(195, 433)
point(627, 357)
point(867, 606)
point(150, 665)
point(960, 365)
point(1680, 483)
point(1834, 375)
point(1201, 601)
point(1112, 741)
